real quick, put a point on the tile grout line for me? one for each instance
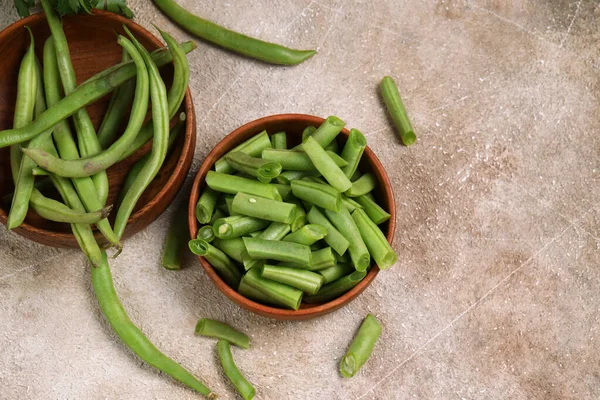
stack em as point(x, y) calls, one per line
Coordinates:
point(476, 303)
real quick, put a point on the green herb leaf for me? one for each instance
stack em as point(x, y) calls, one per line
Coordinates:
point(115, 6)
point(23, 7)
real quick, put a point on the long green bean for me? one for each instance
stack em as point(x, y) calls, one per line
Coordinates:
point(336, 288)
point(252, 147)
point(373, 210)
point(263, 170)
point(266, 209)
point(251, 47)
point(233, 184)
point(361, 348)
point(334, 238)
point(295, 160)
point(160, 117)
point(56, 211)
point(131, 335)
point(307, 281)
point(237, 225)
point(277, 250)
point(87, 166)
point(317, 193)
point(218, 260)
point(396, 109)
point(376, 242)
point(219, 330)
point(307, 235)
point(117, 108)
point(279, 293)
point(359, 254)
point(325, 165)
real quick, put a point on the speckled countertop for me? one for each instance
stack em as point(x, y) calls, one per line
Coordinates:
point(496, 291)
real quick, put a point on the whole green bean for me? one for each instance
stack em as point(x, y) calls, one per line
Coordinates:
point(218, 260)
point(117, 108)
point(359, 254)
point(361, 348)
point(252, 147)
point(219, 330)
point(307, 235)
point(139, 165)
point(279, 293)
point(336, 272)
point(295, 160)
point(237, 42)
point(160, 117)
point(350, 204)
point(325, 165)
point(376, 242)
point(177, 238)
point(262, 169)
point(362, 185)
point(373, 210)
point(319, 194)
point(279, 140)
point(56, 211)
point(307, 281)
point(82, 167)
point(336, 288)
point(131, 335)
point(232, 373)
point(181, 76)
point(88, 92)
point(334, 238)
point(237, 225)
point(234, 248)
point(86, 134)
point(275, 231)
point(266, 209)
point(278, 250)
point(233, 184)
point(206, 205)
point(206, 233)
point(395, 107)
point(353, 151)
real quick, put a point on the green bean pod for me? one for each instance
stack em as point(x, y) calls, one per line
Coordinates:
point(275, 231)
point(307, 281)
point(350, 203)
point(56, 211)
point(308, 131)
point(395, 107)
point(218, 260)
point(353, 151)
point(279, 140)
point(131, 335)
point(237, 225)
point(233, 184)
point(319, 194)
point(326, 166)
point(334, 238)
point(376, 242)
point(254, 294)
point(245, 388)
point(219, 330)
point(336, 288)
point(177, 238)
point(252, 147)
point(266, 209)
point(359, 254)
point(278, 250)
point(237, 42)
point(206, 233)
point(296, 160)
point(286, 177)
point(336, 272)
point(361, 348)
point(234, 248)
point(373, 210)
point(307, 235)
point(206, 205)
point(300, 220)
point(263, 170)
point(278, 293)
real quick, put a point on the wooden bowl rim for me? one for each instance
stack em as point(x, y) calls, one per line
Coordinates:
point(272, 312)
point(189, 128)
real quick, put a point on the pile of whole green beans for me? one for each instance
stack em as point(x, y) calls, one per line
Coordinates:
point(284, 226)
point(42, 143)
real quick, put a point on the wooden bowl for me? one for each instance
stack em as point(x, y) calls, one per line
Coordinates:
point(293, 124)
point(93, 45)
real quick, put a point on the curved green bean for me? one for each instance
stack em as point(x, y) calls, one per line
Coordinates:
point(336, 288)
point(361, 348)
point(353, 151)
point(307, 281)
point(395, 107)
point(132, 336)
point(56, 211)
point(219, 330)
point(117, 108)
point(160, 117)
point(218, 260)
point(245, 388)
point(207, 30)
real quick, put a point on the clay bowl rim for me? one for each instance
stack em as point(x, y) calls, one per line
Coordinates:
point(187, 149)
point(226, 144)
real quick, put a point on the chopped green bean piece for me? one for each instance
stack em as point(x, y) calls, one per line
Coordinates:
point(295, 160)
point(279, 293)
point(262, 169)
point(252, 147)
point(218, 260)
point(376, 242)
point(334, 238)
point(245, 388)
point(206, 233)
point(353, 151)
point(219, 330)
point(307, 281)
point(336, 272)
point(395, 107)
point(373, 210)
point(359, 254)
point(361, 348)
point(266, 209)
point(206, 205)
point(336, 288)
point(234, 248)
point(326, 166)
point(307, 235)
point(279, 140)
point(278, 250)
point(362, 185)
point(237, 225)
point(233, 184)
point(317, 193)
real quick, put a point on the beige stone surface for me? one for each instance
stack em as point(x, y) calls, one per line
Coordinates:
point(496, 291)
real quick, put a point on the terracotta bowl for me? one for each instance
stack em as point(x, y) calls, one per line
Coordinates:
point(93, 46)
point(293, 124)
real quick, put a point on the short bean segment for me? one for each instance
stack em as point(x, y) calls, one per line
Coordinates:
point(251, 293)
point(234, 184)
point(278, 293)
point(219, 261)
point(363, 185)
point(326, 132)
point(262, 169)
point(307, 235)
point(279, 140)
point(319, 194)
point(308, 131)
point(252, 147)
point(336, 288)
point(350, 203)
point(237, 225)
point(234, 248)
point(234, 375)
point(275, 231)
point(206, 233)
point(325, 165)
point(336, 272)
point(395, 107)
point(177, 238)
point(286, 177)
point(206, 205)
point(334, 238)
point(307, 281)
point(353, 151)
point(219, 330)
point(277, 250)
point(266, 209)
point(295, 160)
point(376, 242)
point(359, 254)
point(361, 347)
point(373, 210)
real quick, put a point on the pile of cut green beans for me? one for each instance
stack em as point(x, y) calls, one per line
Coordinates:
point(43, 145)
point(284, 225)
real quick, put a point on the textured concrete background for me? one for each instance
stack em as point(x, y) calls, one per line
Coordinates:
point(496, 292)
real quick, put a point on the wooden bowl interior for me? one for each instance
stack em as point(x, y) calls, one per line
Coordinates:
point(293, 125)
point(93, 45)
